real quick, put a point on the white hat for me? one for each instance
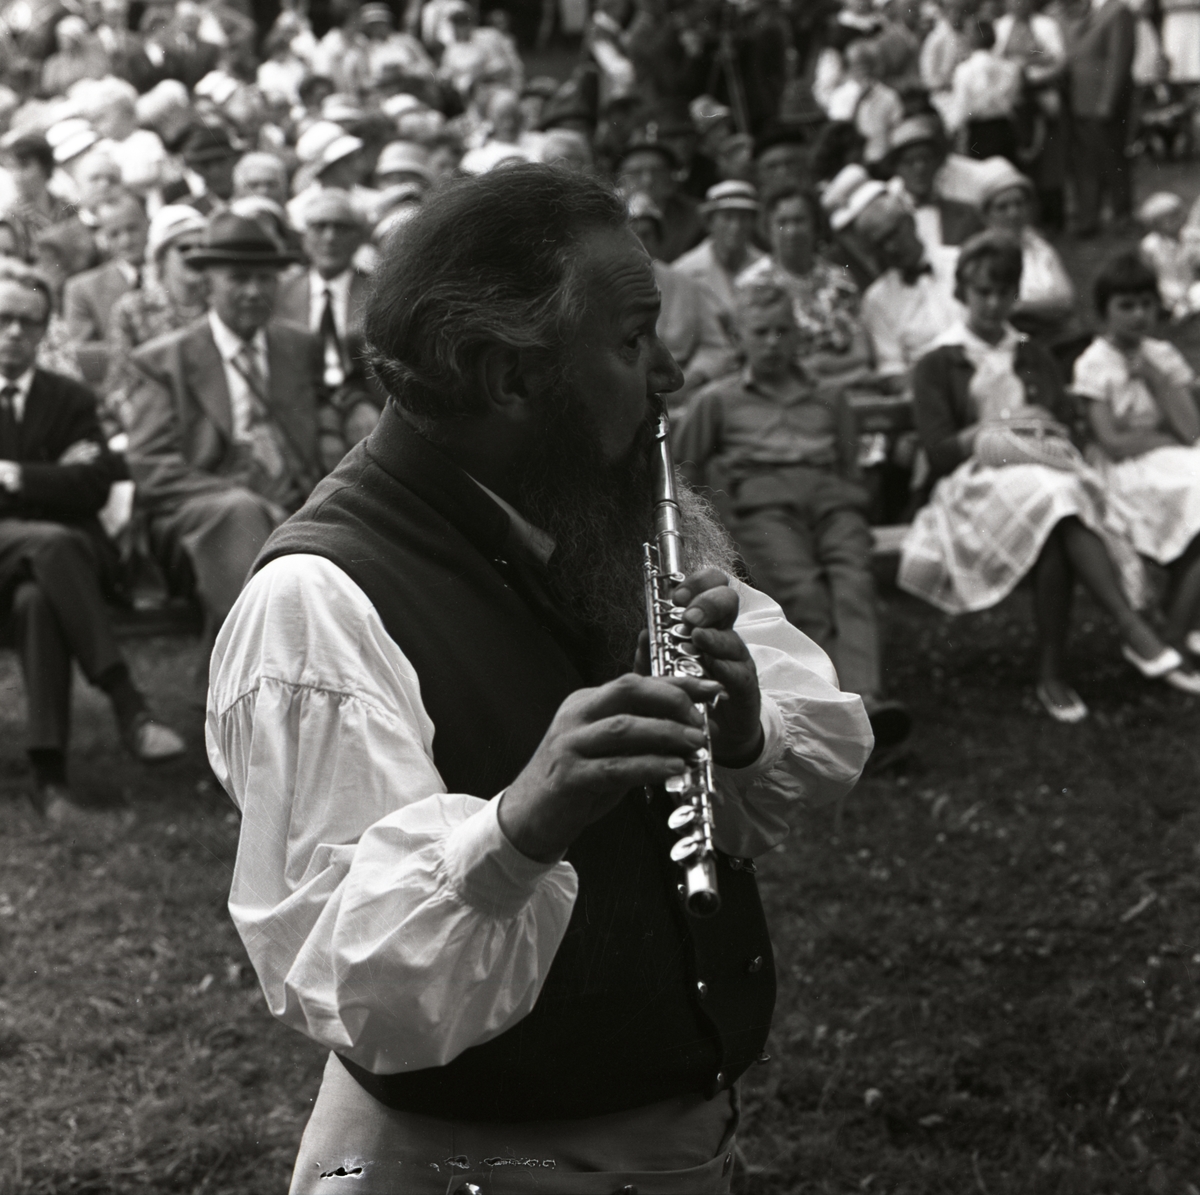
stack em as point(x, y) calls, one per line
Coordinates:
point(488, 157)
point(404, 157)
point(1161, 203)
point(843, 184)
point(69, 138)
point(859, 201)
point(168, 224)
point(997, 175)
point(732, 195)
point(313, 141)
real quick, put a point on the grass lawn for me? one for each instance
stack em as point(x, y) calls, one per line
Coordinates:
point(988, 965)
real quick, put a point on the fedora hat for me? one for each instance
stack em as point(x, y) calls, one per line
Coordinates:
point(232, 240)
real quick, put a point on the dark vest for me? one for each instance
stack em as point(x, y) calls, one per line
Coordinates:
point(642, 1002)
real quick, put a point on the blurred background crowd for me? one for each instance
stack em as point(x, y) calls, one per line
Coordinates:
point(194, 194)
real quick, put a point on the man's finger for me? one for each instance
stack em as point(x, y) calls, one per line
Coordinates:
point(697, 583)
point(626, 734)
point(647, 696)
point(721, 645)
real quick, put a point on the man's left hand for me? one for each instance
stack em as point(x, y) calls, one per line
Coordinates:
point(10, 477)
point(711, 608)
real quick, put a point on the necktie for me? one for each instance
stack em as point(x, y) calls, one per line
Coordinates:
point(335, 372)
point(10, 432)
point(246, 362)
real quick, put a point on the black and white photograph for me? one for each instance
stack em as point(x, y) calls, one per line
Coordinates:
point(600, 597)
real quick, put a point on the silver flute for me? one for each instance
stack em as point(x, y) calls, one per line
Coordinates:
point(672, 653)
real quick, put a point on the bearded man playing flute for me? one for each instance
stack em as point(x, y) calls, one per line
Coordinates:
point(425, 705)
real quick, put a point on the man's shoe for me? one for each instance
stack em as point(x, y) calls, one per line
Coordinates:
point(1074, 710)
point(150, 741)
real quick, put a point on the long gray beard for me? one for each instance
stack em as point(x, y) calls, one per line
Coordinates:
point(600, 515)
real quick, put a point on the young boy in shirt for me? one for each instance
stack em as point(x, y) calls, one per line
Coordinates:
point(784, 448)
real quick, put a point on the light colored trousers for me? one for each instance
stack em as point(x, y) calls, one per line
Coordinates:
point(355, 1145)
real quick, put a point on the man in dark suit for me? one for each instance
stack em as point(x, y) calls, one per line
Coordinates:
point(89, 298)
point(55, 474)
point(917, 147)
point(1100, 72)
point(224, 427)
point(328, 299)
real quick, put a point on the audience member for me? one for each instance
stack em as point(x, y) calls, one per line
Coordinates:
point(688, 323)
point(982, 106)
point(30, 161)
point(261, 174)
point(730, 211)
point(1035, 41)
point(55, 474)
point(944, 48)
point(223, 436)
point(867, 103)
point(1100, 89)
point(1142, 396)
point(825, 301)
point(172, 295)
point(912, 302)
point(786, 448)
point(209, 157)
point(916, 150)
point(328, 299)
point(89, 298)
point(1047, 296)
point(1175, 262)
point(1012, 496)
point(648, 165)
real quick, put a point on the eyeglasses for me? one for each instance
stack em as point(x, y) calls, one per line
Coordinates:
point(25, 323)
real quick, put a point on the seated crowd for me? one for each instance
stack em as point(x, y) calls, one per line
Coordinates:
point(870, 325)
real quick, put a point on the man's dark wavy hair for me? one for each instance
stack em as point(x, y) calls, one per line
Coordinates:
point(487, 261)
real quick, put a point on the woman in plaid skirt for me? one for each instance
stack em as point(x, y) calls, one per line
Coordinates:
point(987, 525)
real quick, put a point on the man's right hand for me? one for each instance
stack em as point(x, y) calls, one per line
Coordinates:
point(633, 731)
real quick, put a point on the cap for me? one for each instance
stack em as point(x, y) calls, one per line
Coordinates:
point(375, 14)
point(707, 112)
point(646, 140)
point(168, 224)
point(997, 175)
point(69, 138)
point(404, 157)
point(926, 129)
point(733, 195)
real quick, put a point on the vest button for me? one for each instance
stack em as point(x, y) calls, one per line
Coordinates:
point(701, 989)
point(469, 1189)
point(628, 1189)
point(682, 891)
point(755, 964)
point(763, 1058)
point(720, 1079)
point(728, 1166)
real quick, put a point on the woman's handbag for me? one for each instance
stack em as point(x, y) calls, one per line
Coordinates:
point(1025, 441)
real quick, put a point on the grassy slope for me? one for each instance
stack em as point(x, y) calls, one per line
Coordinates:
point(957, 944)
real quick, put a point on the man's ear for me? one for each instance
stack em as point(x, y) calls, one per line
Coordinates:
point(503, 383)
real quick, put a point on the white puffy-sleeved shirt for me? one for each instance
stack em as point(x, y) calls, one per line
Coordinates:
point(386, 918)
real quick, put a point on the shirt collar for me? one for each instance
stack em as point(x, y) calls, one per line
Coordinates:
point(22, 383)
point(339, 285)
point(229, 343)
point(538, 543)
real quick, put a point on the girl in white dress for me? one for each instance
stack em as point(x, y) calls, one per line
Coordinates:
point(1143, 414)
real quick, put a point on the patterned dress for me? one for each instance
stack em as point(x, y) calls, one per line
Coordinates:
point(825, 302)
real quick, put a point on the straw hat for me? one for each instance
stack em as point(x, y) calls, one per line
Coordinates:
point(732, 195)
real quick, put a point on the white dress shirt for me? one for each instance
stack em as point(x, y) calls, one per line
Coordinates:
point(393, 921)
point(339, 290)
point(903, 320)
point(241, 399)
